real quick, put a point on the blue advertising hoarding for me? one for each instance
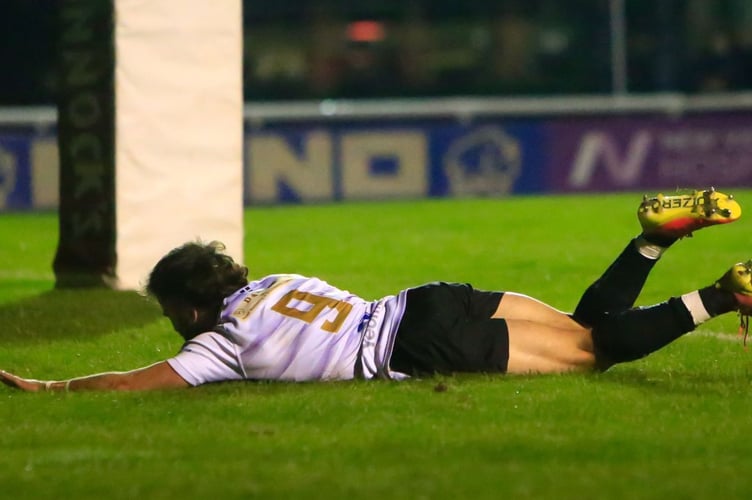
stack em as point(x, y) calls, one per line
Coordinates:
point(28, 169)
point(15, 181)
point(344, 161)
point(330, 160)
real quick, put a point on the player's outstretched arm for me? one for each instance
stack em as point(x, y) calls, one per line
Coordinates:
point(157, 376)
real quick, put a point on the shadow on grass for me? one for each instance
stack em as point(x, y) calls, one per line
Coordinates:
point(59, 314)
point(678, 381)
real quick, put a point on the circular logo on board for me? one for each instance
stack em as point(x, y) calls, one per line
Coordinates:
point(485, 161)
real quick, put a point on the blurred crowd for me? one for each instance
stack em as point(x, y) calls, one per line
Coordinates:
point(312, 49)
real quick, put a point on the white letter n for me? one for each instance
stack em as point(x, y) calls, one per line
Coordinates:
point(598, 148)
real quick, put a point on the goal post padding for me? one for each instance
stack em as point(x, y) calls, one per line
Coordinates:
point(168, 166)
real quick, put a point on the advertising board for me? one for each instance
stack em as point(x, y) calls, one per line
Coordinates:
point(328, 161)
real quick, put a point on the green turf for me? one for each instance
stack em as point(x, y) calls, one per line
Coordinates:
point(674, 425)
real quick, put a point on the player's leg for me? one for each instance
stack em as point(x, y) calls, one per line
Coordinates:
point(450, 327)
point(516, 306)
point(618, 287)
point(542, 348)
point(664, 219)
point(556, 343)
point(543, 339)
point(624, 335)
point(446, 328)
point(635, 333)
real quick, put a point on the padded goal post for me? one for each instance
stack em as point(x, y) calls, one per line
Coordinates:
point(150, 131)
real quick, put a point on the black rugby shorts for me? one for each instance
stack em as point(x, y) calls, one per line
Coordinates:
point(447, 328)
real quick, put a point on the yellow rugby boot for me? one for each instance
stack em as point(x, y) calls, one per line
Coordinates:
point(677, 216)
point(738, 280)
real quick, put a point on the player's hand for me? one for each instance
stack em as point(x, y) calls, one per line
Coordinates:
point(17, 382)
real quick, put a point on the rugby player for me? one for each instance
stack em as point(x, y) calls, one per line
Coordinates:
point(296, 328)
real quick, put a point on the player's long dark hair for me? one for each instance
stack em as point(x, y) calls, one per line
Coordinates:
point(196, 274)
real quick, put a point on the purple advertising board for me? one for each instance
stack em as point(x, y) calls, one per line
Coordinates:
point(648, 152)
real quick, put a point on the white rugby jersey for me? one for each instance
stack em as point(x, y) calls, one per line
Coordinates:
point(290, 327)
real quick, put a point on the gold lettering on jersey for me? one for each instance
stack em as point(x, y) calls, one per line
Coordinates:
point(317, 305)
point(249, 303)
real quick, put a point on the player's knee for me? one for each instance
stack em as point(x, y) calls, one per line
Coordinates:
point(612, 346)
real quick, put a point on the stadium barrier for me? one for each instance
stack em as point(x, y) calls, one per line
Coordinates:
point(356, 150)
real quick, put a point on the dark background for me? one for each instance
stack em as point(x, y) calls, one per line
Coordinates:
point(306, 49)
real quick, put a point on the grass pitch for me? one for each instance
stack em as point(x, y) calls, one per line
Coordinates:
point(674, 425)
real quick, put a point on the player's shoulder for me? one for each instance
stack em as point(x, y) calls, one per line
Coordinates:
point(274, 285)
point(286, 281)
point(271, 279)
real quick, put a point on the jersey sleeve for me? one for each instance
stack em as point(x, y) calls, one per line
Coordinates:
point(209, 357)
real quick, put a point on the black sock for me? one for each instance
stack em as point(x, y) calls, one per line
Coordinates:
point(717, 301)
point(618, 287)
point(661, 241)
point(635, 333)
